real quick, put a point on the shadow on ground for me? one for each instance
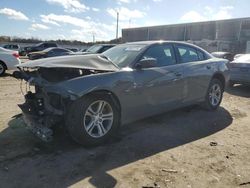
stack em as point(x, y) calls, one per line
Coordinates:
point(7, 74)
point(27, 162)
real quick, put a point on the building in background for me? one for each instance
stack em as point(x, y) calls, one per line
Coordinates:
point(231, 35)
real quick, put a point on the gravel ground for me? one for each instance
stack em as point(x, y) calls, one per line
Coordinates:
point(184, 148)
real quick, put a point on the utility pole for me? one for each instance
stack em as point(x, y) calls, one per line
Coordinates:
point(117, 21)
point(93, 35)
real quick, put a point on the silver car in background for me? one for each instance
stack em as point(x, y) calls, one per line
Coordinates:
point(240, 70)
point(94, 94)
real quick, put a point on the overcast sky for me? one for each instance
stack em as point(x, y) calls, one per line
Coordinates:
point(80, 19)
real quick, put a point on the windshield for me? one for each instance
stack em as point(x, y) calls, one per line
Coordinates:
point(123, 55)
point(39, 44)
point(94, 49)
point(48, 49)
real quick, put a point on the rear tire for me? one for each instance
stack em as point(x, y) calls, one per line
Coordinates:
point(2, 68)
point(87, 126)
point(214, 95)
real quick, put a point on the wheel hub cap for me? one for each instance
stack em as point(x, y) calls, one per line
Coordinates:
point(215, 94)
point(98, 118)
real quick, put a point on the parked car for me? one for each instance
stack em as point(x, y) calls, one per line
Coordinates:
point(38, 47)
point(225, 55)
point(49, 52)
point(83, 50)
point(240, 70)
point(73, 49)
point(95, 94)
point(97, 49)
point(238, 55)
point(8, 60)
point(15, 47)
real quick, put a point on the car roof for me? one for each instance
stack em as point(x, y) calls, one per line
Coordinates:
point(104, 45)
point(54, 48)
point(161, 42)
point(149, 43)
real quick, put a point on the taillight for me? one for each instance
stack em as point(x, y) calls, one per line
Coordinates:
point(16, 55)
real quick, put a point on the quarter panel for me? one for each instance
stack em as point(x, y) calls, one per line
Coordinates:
point(197, 75)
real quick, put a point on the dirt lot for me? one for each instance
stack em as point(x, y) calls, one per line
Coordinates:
point(169, 150)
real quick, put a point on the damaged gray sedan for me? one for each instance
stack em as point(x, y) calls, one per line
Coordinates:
point(92, 95)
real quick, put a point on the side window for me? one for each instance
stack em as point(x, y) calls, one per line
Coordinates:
point(164, 55)
point(51, 45)
point(41, 46)
point(201, 55)
point(103, 49)
point(188, 54)
point(60, 51)
point(46, 45)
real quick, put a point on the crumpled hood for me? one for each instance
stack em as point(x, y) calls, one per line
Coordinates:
point(91, 62)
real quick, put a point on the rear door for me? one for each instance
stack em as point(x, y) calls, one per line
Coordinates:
point(197, 72)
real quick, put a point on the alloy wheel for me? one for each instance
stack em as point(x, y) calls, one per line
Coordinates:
point(215, 94)
point(98, 118)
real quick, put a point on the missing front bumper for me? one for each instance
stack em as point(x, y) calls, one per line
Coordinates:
point(36, 124)
point(38, 118)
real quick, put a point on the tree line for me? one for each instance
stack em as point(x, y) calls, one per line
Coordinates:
point(6, 39)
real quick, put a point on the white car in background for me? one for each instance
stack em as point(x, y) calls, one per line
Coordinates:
point(8, 60)
point(240, 70)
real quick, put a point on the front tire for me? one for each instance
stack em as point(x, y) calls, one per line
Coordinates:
point(2, 69)
point(92, 120)
point(214, 95)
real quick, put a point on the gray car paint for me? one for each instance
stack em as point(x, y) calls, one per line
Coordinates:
point(141, 93)
point(92, 61)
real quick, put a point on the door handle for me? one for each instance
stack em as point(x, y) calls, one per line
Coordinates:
point(178, 74)
point(208, 66)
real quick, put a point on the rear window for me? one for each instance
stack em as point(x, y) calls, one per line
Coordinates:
point(187, 54)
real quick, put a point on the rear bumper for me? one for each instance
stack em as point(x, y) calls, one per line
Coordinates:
point(12, 63)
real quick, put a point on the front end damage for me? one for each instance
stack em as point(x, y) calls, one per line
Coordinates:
point(39, 115)
point(46, 106)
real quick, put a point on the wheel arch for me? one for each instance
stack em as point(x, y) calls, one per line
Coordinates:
point(109, 93)
point(4, 64)
point(220, 76)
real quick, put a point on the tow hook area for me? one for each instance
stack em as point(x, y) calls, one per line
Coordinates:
point(38, 120)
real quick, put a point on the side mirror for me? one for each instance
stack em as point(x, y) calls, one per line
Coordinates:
point(146, 63)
